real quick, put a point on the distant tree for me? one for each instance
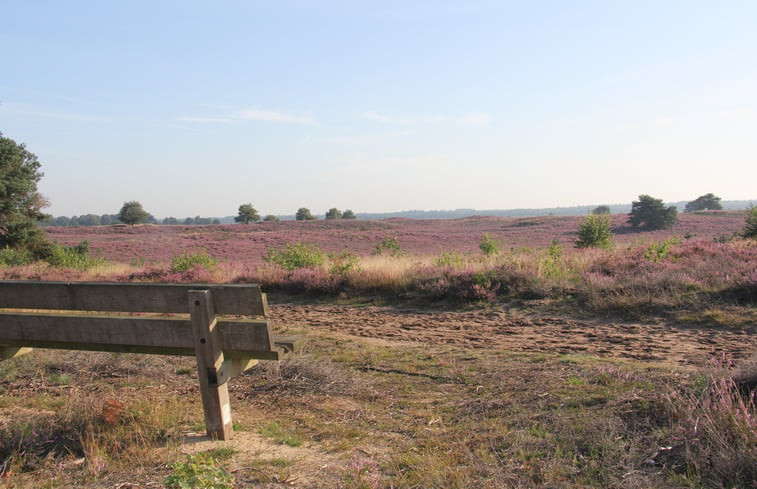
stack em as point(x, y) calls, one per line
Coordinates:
point(602, 209)
point(216, 222)
point(247, 214)
point(303, 214)
point(650, 213)
point(170, 220)
point(20, 203)
point(106, 220)
point(89, 220)
point(202, 221)
point(334, 213)
point(750, 227)
point(271, 218)
point(74, 222)
point(61, 221)
point(348, 214)
point(706, 202)
point(132, 213)
point(189, 221)
point(595, 232)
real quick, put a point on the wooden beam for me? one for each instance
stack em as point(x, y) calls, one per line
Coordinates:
point(132, 334)
point(210, 360)
point(237, 299)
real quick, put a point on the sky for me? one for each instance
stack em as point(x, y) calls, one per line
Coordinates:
point(195, 107)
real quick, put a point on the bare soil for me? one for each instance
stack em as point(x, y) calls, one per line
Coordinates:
point(525, 332)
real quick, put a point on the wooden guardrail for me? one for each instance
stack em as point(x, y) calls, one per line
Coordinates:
point(101, 317)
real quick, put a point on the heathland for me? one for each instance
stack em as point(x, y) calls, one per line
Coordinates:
point(473, 352)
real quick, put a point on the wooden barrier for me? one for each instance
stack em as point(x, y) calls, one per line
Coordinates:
point(101, 317)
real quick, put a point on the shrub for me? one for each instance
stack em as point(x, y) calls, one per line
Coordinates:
point(303, 214)
point(188, 261)
point(199, 471)
point(750, 228)
point(13, 257)
point(294, 256)
point(707, 202)
point(595, 232)
point(333, 213)
point(388, 245)
point(449, 259)
point(271, 218)
point(488, 246)
point(650, 213)
point(343, 263)
point(73, 257)
point(601, 210)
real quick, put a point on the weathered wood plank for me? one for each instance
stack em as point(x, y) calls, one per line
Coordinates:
point(164, 336)
point(210, 360)
point(241, 299)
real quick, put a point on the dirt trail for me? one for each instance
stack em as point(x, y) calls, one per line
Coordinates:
point(534, 333)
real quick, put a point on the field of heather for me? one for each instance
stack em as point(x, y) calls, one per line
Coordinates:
point(247, 244)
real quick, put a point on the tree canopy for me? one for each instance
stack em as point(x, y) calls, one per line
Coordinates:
point(303, 214)
point(132, 213)
point(650, 213)
point(20, 203)
point(334, 213)
point(706, 202)
point(247, 214)
point(348, 214)
point(601, 209)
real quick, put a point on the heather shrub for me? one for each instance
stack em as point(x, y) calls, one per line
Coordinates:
point(294, 256)
point(488, 246)
point(389, 246)
point(192, 260)
point(750, 227)
point(595, 232)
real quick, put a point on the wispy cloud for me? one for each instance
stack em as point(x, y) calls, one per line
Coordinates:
point(467, 119)
point(252, 114)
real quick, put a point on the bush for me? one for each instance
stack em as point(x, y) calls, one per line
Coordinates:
point(750, 228)
point(13, 257)
point(73, 257)
point(449, 259)
point(601, 209)
point(595, 232)
point(199, 471)
point(651, 213)
point(188, 261)
point(343, 263)
point(488, 246)
point(294, 256)
point(388, 245)
point(271, 218)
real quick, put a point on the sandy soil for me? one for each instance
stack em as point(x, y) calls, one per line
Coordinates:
point(506, 331)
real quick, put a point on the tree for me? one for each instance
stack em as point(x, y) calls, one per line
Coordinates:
point(247, 214)
point(706, 202)
point(334, 213)
point(271, 218)
point(602, 209)
point(303, 214)
point(348, 214)
point(650, 213)
point(20, 203)
point(132, 213)
point(595, 232)
point(750, 227)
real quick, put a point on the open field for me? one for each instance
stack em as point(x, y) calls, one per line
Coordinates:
point(542, 366)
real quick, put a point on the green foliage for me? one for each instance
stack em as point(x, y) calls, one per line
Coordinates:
point(449, 259)
point(334, 213)
point(73, 257)
point(601, 210)
point(595, 232)
point(281, 435)
point(189, 260)
point(295, 255)
point(247, 214)
point(344, 263)
point(650, 213)
point(750, 228)
point(14, 257)
point(303, 214)
point(388, 245)
point(348, 214)
point(20, 203)
point(659, 251)
point(706, 202)
point(488, 246)
point(198, 472)
point(132, 213)
point(271, 218)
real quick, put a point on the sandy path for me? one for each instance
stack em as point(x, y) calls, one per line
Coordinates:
point(533, 333)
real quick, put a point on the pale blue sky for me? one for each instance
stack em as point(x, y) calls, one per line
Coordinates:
point(194, 108)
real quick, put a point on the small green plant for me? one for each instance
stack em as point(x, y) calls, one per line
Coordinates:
point(188, 260)
point(389, 246)
point(344, 263)
point(198, 472)
point(449, 259)
point(750, 226)
point(294, 256)
point(280, 434)
point(595, 232)
point(488, 246)
point(13, 257)
point(659, 251)
point(73, 257)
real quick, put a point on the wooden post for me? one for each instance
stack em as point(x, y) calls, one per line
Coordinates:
point(210, 362)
